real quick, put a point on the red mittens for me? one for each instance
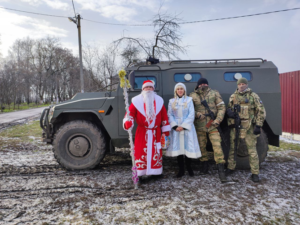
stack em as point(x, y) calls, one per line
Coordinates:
point(167, 133)
point(127, 125)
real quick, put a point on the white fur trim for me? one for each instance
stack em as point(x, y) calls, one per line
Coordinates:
point(173, 124)
point(181, 139)
point(148, 84)
point(187, 153)
point(166, 128)
point(153, 172)
point(186, 99)
point(138, 102)
point(159, 103)
point(149, 150)
point(158, 145)
point(125, 120)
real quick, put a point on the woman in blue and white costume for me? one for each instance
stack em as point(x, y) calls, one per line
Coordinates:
point(184, 141)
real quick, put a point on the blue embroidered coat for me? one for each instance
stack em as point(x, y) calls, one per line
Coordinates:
point(184, 142)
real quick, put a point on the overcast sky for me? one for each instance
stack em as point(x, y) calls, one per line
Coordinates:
point(275, 37)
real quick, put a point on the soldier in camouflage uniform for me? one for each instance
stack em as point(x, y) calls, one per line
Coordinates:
point(252, 115)
point(217, 106)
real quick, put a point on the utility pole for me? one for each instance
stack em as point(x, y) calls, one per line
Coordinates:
point(77, 22)
point(80, 53)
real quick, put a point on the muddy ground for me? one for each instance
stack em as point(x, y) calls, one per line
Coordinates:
point(34, 189)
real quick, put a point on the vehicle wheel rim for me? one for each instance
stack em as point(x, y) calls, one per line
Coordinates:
point(79, 146)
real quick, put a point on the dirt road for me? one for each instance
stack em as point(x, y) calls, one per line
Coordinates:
point(13, 118)
point(34, 189)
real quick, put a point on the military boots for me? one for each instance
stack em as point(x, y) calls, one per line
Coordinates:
point(255, 178)
point(221, 170)
point(228, 172)
point(204, 167)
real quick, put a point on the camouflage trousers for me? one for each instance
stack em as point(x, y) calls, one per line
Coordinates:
point(250, 140)
point(215, 140)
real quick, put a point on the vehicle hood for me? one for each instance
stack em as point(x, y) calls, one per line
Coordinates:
point(91, 100)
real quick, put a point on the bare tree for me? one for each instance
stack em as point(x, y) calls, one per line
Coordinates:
point(93, 65)
point(2, 90)
point(166, 41)
point(167, 37)
point(0, 54)
point(101, 65)
point(130, 54)
point(42, 70)
point(110, 68)
point(9, 83)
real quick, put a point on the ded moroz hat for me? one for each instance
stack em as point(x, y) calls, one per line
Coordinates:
point(148, 83)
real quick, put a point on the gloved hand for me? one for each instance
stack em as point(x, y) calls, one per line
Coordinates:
point(216, 123)
point(200, 116)
point(256, 130)
point(127, 124)
point(230, 114)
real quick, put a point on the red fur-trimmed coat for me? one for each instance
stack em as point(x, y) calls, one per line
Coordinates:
point(147, 146)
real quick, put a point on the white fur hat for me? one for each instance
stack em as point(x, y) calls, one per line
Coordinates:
point(179, 84)
point(148, 83)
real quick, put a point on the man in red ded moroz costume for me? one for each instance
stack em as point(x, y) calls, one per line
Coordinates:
point(152, 119)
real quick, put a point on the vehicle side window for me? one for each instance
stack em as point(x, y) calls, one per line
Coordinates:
point(138, 81)
point(187, 77)
point(234, 76)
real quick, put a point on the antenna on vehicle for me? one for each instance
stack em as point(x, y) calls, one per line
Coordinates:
point(151, 61)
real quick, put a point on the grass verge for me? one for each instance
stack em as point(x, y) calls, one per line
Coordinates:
point(284, 146)
point(25, 133)
point(23, 106)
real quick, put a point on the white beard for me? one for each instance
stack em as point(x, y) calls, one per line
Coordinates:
point(148, 97)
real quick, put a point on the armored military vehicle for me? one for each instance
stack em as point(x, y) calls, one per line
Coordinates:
point(82, 130)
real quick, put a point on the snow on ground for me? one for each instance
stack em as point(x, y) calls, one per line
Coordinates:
point(34, 189)
point(289, 140)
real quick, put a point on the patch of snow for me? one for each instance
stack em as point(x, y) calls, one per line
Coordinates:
point(34, 189)
point(289, 141)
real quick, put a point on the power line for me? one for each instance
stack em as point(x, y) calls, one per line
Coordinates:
point(235, 17)
point(199, 21)
point(74, 8)
point(120, 24)
point(42, 14)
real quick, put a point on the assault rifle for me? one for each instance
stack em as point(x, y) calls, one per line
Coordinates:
point(237, 126)
point(213, 117)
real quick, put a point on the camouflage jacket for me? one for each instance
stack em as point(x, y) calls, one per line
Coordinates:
point(252, 108)
point(215, 103)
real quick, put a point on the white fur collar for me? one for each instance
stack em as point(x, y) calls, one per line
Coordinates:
point(138, 102)
point(182, 100)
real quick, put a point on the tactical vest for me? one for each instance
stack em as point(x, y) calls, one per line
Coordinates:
point(246, 114)
point(213, 98)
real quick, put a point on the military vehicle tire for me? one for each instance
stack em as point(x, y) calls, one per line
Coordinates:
point(262, 150)
point(79, 145)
